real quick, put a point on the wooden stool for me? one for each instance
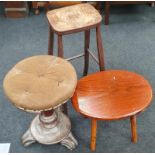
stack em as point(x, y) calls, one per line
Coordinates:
point(41, 84)
point(112, 95)
point(73, 19)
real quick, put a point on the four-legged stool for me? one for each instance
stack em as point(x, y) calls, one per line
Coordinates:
point(73, 19)
point(112, 95)
point(41, 84)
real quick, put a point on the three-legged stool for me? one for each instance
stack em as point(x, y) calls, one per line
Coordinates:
point(112, 95)
point(41, 84)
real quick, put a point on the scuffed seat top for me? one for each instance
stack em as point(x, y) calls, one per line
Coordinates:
point(73, 17)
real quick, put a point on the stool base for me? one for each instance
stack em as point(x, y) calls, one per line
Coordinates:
point(50, 130)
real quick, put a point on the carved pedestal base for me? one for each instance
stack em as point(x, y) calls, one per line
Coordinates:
point(51, 129)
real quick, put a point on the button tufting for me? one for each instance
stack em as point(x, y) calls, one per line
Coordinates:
point(41, 75)
point(43, 87)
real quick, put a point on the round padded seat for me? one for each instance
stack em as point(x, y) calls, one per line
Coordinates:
point(40, 83)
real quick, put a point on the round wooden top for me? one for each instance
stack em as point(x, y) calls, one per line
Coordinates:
point(40, 83)
point(113, 94)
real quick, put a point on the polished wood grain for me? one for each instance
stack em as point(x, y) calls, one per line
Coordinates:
point(93, 134)
point(133, 128)
point(112, 94)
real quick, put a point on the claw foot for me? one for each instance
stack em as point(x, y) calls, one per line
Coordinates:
point(70, 142)
point(27, 138)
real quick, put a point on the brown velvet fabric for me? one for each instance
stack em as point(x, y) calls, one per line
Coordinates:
point(40, 82)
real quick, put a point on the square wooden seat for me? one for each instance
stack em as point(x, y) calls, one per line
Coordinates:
point(73, 18)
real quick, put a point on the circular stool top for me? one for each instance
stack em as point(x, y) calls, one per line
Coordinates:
point(40, 83)
point(113, 94)
point(73, 17)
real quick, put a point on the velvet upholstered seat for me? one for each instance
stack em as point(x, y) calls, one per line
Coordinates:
point(40, 83)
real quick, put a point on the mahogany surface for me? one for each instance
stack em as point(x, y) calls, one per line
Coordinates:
point(111, 95)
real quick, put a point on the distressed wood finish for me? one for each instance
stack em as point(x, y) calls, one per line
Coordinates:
point(50, 127)
point(73, 18)
point(112, 95)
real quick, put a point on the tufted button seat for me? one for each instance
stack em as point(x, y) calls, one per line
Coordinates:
point(40, 83)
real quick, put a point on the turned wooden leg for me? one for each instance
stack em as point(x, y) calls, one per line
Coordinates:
point(50, 41)
point(86, 56)
point(107, 12)
point(133, 128)
point(93, 134)
point(100, 48)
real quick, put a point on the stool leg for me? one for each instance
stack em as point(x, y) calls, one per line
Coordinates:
point(100, 48)
point(50, 41)
point(60, 54)
point(107, 12)
point(86, 56)
point(133, 128)
point(60, 46)
point(93, 134)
